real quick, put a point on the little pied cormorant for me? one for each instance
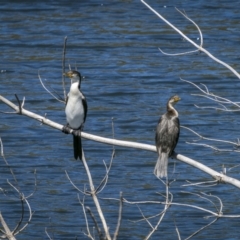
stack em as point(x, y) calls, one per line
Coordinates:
point(76, 111)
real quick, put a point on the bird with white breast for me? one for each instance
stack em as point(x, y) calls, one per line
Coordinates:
point(76, 111)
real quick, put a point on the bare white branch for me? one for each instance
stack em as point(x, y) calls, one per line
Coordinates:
point(58, 99)
point(213, 214)
point(189, 52)
point(95, 223)
point(145, 218)
point(207, 199)
point(105, 179)
point(216, 175)
point(29, 218)
point(214, 148)
point(177, 54)
point(166, 206)
point(85, 216)
point(199, 30)
point(83, 192)
point(199, 184)
point(202, 228)
point(211, 139)
point(63, 69)
point(213, 97)
point(200, 48)
point(119, 217)
point(94, 197)
point(178, 233)
point(48, 234)
point(35, 185)
point(7, 234)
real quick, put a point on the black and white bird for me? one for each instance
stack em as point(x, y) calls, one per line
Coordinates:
point(167, 134)
point(76, 111)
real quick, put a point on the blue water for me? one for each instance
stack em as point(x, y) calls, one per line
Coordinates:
point(115, 46)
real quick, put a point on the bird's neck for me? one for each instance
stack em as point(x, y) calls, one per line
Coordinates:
point(171, 109)
point(75, 83)
point(75, 88)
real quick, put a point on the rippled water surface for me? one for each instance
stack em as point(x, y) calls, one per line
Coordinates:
point(115, 46)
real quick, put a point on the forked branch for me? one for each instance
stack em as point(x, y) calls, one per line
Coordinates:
point(7, 233)
point(198, 47)
point(215, 98)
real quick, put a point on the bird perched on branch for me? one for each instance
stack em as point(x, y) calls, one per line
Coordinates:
point(76, 111)
point(167, 134)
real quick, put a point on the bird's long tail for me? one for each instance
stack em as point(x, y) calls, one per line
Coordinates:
point(160, 169)
point(77, 146)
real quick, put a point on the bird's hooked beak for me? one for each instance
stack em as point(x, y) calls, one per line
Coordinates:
point(73, 74)
point(68, 74)
point(176, 99)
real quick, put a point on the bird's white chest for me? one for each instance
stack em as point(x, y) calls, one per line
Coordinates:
point(74, 109)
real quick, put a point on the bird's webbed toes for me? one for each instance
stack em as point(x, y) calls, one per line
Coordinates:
point(77, 133)
point(66, 129)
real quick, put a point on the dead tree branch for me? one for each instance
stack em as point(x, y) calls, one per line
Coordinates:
point(94, 197)
point(63, 69)
point(119, 217)
point(24, 200)
point(199, 47)
point(216, 175)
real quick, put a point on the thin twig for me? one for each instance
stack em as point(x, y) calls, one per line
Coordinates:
point(210, 139)
point(95, 223)
point(205, 198)
point(58, 99)
point(20, 106)
point(210, 183)
point(145, 218)
point(166, 206)
point(119, 217)
point(177, 54)
point(105, 179)
point(189, 19)
point(85, 216)
point(95, 199)
point(202, 228)
point(10, 169)
point(29, 219)
point(189, 52)
point(213, 97)
point(63, 69)
point(22, 214)
point(177, 231)
point(83, 192)
point(213, 214)
point(210, 95)
point(48, 234)
point(35, 185)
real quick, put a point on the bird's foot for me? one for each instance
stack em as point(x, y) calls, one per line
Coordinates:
point(66, 129)
point(77, 133)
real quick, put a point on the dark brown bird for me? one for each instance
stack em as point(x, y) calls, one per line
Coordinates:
point(167, 134)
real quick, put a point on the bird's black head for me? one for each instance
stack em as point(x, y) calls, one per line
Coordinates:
point(75, 76)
